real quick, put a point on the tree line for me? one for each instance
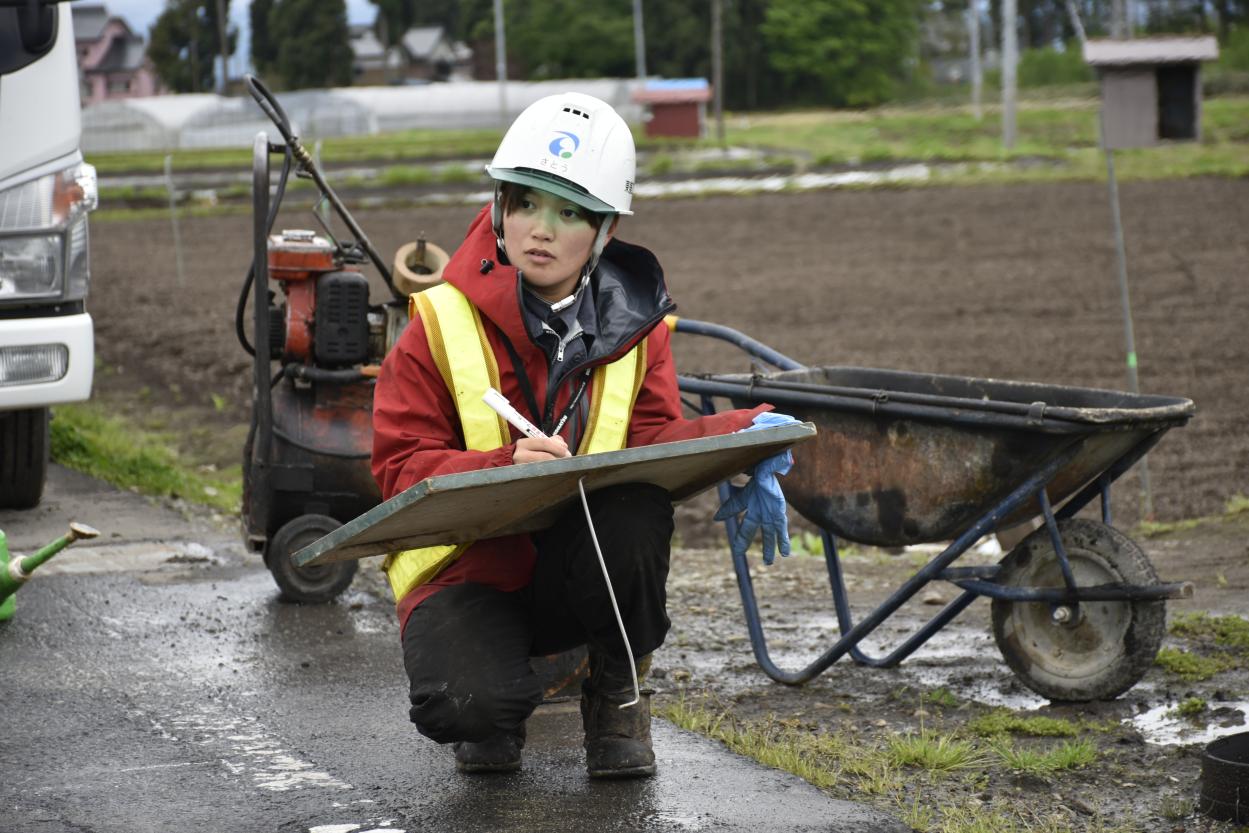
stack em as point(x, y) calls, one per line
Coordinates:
point(775, 52)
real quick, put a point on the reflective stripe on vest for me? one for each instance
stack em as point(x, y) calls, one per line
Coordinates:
point(457, 341)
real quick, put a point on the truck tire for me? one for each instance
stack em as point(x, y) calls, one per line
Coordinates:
point(23, 457)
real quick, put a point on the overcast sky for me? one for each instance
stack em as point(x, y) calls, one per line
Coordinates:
point(141, 14)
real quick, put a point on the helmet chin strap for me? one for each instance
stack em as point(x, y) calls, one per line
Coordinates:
point(600, 243)
point(496, 214)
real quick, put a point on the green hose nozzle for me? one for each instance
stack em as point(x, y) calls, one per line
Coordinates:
point(14, 572)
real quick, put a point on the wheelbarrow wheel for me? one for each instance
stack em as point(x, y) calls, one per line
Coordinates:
point(307, 585)
point(1096, 651)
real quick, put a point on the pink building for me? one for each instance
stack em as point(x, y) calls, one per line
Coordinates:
point(112, 60)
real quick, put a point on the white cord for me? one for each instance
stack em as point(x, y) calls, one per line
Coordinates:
point(637, 690)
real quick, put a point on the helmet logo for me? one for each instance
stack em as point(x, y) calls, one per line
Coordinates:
point(559, 145)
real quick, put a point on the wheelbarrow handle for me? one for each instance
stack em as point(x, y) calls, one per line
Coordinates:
point(755, 348)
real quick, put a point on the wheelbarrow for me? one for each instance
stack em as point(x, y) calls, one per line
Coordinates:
point(908, 458)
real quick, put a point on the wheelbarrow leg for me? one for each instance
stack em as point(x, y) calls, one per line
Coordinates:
point(845, 621)
point(1102, 484)
point(929, 572)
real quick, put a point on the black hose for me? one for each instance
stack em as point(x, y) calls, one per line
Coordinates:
point(269, 104)
point(309, 373)
point(240, 308)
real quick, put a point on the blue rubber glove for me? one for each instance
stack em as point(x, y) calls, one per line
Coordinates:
point(761, 499)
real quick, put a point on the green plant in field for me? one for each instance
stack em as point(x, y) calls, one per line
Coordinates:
point(1006, 722)
point(1066, 755)
point(1236, 504)
point(1174, 808)
point(1154, 529)
point(806, 543)
point(941, 697)
point(868, 771)
point(86, 439)
point(1193, 667)
point(220, 403)
point(659, 164)
point(1190, 708)
point(1046, 67)
point(1224, 631)
point(931, 751)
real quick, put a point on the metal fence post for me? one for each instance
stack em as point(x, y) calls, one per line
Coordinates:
point(173, 215)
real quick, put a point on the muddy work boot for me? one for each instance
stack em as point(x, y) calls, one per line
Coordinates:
point(497, 753)
point(617, 741)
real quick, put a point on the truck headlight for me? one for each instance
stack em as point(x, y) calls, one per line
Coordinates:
point(43, 236)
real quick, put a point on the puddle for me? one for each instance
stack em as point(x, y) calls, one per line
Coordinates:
point(1161, 725)
point(137, 557)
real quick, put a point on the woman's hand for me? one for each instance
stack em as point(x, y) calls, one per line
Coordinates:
point(530, 450)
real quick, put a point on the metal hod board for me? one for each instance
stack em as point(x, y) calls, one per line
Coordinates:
point(457, 508)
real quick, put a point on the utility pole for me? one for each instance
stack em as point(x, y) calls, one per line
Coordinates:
point(224, 84)
point(194, 55)
point(977, 72)
point(1074, 16)
point(1010, 61)
point(500, 60)
point(639, 40)
point(1119, 27)
point(717, 68)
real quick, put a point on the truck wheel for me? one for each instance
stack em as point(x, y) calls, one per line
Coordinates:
point(307, 585)
point(23, 457)
point(1104, 649)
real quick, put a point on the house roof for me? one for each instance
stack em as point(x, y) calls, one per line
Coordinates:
point(673, 90)
point(1170, 50)
point(364, 43)
point(421, 41)
point(89, 22)
point(123, 55)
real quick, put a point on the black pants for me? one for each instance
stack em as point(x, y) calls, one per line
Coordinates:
point(466, 648)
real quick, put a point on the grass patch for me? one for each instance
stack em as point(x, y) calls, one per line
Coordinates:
point(940, 697)
point(1193, 667)
point(1063, 134)
point(1190, 708)
point(85, 438)
point(933, 752)
point(883, 774)
point(343, 150)
point(1230, 632)
point(1067, 755)
point(1237, 504)
point(1005, 722)
point(1155, 529)
point(772, 744)
point(1057, 140)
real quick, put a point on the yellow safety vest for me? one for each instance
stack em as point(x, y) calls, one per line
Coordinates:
point(463, 356)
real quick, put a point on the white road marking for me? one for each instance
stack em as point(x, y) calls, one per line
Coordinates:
point(248, 751)
point(166, 766)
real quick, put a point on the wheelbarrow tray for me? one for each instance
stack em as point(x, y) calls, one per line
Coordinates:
point(905, 458)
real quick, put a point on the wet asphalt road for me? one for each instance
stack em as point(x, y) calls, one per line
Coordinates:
point(151, 681)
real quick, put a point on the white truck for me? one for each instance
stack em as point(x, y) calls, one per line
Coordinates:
point(47, 346)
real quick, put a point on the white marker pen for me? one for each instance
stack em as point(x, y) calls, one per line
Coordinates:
point(499, 404)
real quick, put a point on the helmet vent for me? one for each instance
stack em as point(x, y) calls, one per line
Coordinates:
point(577, 112)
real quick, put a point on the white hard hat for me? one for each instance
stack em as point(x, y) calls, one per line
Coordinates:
point(573, 145)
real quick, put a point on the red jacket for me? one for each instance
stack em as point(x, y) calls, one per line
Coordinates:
point(416, 431)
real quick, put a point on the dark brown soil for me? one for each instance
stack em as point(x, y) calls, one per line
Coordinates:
point(1008, 282)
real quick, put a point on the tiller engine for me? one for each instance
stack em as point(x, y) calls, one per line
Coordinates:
point(317, 344)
